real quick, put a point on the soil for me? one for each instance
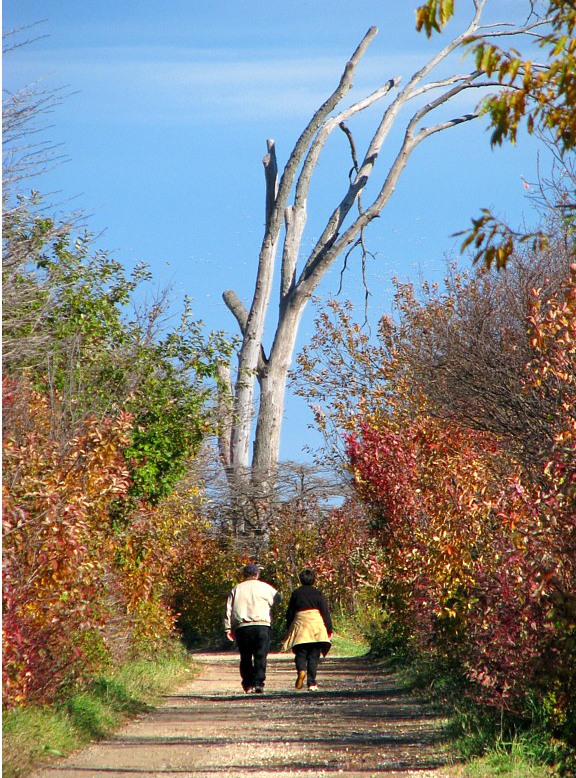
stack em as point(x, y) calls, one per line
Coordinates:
point(359, 724)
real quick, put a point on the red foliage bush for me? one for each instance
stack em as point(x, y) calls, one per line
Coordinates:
point(480, 553)
point(337, 544)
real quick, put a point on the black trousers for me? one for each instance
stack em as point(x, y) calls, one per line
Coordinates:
point(307, 657)
point(253, 644)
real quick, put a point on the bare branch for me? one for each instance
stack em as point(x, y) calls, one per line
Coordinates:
point(487, 30)
point(320, 141)
point(303, 184)
point(463, 77)
point(350, 137)
point(238, 309)
point(271, 175)
point(325, 109)
point(328, 247)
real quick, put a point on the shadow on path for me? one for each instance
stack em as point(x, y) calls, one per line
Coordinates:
point(360, 724)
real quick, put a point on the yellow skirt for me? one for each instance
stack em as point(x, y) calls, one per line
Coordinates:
point(307, 627)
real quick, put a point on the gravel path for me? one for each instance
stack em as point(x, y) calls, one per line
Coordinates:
point(358, 725)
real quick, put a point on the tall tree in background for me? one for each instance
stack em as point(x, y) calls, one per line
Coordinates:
point(286, 205)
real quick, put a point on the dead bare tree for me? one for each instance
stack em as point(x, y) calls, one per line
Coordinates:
point(244, 515)
point(344, 229)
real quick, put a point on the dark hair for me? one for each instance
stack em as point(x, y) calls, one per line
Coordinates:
point(307, 577)
point(250, 570)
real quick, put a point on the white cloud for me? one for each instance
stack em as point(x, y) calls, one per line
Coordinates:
point(156, 85)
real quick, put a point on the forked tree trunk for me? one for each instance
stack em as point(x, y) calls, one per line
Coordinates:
point(343, 230)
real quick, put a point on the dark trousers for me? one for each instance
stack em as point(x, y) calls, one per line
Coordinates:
point(253, 644)
point(307, 657)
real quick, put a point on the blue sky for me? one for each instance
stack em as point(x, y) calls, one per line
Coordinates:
point(166, 124)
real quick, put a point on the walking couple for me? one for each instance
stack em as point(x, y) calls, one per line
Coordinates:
point(248, 619)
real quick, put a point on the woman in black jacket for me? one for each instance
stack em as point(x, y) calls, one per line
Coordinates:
point(309, 629)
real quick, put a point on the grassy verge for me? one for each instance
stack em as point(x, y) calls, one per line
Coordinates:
point(509, 761)
point(347, 639)
point(33, 736)
point(481, 744)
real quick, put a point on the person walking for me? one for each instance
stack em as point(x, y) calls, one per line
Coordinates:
point(248, 619)
point(309, 629)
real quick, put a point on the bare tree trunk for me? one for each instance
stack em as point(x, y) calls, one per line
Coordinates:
point(343, 230)
point(272, 394)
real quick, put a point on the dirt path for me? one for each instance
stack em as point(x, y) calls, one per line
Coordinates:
point(359, 725)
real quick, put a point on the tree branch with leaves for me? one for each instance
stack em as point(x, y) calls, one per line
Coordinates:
point(538, 95)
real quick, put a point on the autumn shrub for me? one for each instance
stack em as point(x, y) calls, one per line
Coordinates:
point(534, 592)
point(57, 550)
point(85, 564)
point(457, 423)
point(336, 544)
point(425, 486)
point(480, 550)
point(103, 410)
point(148, 543)
point(348, 560)
point(483, 590)
point(104, 407)
point(199, 580)
point(293, 543)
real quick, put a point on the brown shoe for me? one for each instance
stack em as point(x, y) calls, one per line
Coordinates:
point(300, 680)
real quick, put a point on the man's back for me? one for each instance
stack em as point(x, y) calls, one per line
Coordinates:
point(250, 602)
point(248, 619)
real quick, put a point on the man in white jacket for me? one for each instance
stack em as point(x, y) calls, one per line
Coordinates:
point(248, 619)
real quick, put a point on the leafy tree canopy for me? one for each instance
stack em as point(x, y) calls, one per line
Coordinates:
point(82, 328)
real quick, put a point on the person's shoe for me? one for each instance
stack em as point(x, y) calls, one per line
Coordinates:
point(313, 688)
point(258, 690)
point(249, 690)
point(300, 680)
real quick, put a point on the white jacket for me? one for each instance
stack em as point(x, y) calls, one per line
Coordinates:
point(249, 604)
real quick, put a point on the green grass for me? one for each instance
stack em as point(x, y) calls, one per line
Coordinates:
point(510, 761)
point(347, 640)
point(34, 735)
